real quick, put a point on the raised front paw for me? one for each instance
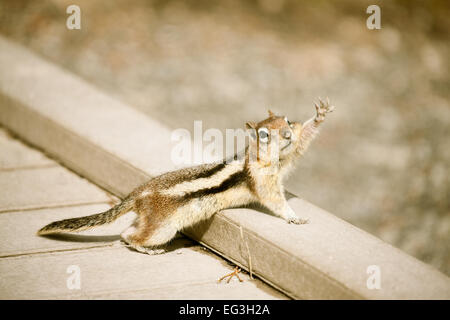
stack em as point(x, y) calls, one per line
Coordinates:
point(322, 108)
point(297, 220)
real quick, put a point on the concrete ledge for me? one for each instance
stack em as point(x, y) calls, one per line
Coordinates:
point(118, 148)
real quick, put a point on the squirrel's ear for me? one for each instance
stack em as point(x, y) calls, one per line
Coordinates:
point(271, 114)
point(250, 125)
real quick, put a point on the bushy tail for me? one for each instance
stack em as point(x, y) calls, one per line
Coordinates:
point(84, 223)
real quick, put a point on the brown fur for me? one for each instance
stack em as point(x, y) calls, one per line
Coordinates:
point(175, 200)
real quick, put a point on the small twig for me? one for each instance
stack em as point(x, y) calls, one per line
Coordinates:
point(231, 275)
point(250, 269)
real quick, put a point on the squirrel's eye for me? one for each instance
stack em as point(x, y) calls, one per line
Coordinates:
point(263, 134)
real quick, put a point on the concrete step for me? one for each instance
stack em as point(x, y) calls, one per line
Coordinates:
point(18, 230)
point(15, 155)
point(183, 273)
point(46, 187)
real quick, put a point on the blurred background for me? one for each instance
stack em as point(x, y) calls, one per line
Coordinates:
point(382, 159)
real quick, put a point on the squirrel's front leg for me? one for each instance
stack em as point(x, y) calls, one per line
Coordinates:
point(310, 128)
point(322, 108)
point(278, 204)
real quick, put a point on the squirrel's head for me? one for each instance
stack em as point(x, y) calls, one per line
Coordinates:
point(274, 138)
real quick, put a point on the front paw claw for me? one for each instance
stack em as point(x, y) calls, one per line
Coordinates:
point(322, 108)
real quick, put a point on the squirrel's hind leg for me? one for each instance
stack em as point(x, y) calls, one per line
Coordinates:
point(147, 238)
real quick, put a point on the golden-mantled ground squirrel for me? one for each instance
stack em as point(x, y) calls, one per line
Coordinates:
point(175, 200)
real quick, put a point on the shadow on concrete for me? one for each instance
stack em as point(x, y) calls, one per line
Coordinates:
point(177, 243)
point(81, 238)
